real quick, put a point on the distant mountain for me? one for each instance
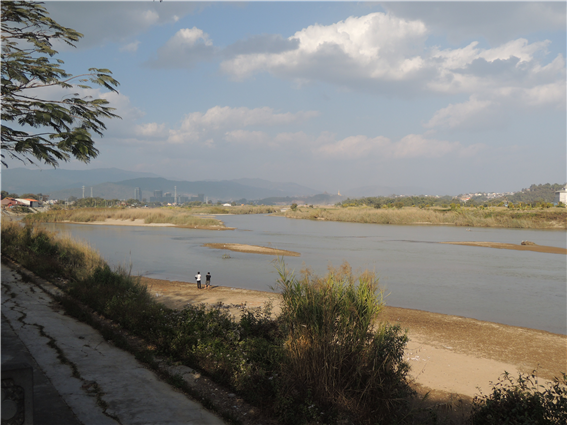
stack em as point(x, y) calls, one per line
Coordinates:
point(293, 188)
point(226, 190)
point(366, 191)
point(29, 180)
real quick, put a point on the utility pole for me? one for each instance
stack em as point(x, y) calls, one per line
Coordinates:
point(83, 192)
point(91, 191)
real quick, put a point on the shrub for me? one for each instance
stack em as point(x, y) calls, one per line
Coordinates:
point(522, 402)
point(336, 360)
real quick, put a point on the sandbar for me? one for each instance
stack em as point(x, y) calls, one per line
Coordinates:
point(252, 249)
point(499, 245)
point(447, 354)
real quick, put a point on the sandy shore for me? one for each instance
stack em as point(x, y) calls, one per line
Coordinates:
point(448, 354)
point(252, 249)
point(498, 245)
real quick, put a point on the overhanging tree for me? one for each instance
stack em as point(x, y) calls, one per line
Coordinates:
point(34, 126)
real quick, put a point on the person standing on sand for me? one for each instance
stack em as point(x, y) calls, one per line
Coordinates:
point(208, 281)
point(198, 277)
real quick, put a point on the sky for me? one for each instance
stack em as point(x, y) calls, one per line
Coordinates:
point(449, 97)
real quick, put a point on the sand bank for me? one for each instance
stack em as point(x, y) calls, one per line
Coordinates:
point(252, 249)
point(536, 248)
point(447, 354)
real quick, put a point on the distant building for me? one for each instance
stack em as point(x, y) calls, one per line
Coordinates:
point(561, 196)
point(28, 202)
point(138, 194)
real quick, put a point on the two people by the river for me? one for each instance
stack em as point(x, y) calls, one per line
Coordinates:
point(207, 280)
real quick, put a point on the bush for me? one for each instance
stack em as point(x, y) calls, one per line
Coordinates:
point(336, 360)
point(522, 402)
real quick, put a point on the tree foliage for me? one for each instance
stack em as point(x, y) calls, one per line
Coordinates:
point(35, 124)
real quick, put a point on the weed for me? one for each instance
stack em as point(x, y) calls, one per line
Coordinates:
point(522, 401)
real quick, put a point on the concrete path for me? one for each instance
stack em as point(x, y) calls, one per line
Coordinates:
point(100, 383)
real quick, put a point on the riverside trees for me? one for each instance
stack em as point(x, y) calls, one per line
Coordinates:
point(39, 123)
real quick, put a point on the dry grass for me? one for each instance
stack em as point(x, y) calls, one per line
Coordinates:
point(468, 217)
point(49, 253)
point(177, 216)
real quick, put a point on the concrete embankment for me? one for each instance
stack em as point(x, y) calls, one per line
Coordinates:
point(78, 376)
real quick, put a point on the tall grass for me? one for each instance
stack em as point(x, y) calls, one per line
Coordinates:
point(336, 355)
point(469, 217)
point(48, 254)
point(179, 217)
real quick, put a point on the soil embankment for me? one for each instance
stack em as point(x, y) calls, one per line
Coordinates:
point(448, 354)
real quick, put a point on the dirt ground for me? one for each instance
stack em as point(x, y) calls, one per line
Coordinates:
point(449, 355)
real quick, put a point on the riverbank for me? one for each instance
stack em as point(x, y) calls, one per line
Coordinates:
point(553, 218)
point(174, 217)
point(448, 354)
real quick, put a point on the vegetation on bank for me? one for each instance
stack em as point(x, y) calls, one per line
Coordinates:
point(553, 218)
point(176, 216)
point(259, 357)
point(325, 359)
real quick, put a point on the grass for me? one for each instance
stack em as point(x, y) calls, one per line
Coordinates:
point(338, 356)
point(176, 216)
point(469, 217)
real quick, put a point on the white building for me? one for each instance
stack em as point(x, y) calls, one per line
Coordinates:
point(561, 196)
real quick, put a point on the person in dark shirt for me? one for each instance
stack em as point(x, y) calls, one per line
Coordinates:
point(208, 281)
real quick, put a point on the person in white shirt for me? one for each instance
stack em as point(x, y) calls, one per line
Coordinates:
point(198, 277)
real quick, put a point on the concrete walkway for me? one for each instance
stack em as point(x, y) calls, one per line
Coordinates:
point(78, 376)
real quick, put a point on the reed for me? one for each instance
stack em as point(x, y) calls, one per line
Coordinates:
point(178, 216)
point(336, 353)
point(469, 217)
point(47, 253)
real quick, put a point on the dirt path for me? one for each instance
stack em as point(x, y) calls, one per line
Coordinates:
point(448, 354)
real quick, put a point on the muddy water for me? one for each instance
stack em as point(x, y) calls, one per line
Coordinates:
point(516, 288)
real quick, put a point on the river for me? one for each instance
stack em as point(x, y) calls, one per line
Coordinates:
point(518, 288)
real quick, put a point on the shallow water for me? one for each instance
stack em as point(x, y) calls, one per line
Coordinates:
point(518, 288)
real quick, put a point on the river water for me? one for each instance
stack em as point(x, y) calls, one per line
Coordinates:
point(518, 288)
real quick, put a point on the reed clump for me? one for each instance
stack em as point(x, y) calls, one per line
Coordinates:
point(48, 254)
point(469, 217)
point(178, 216)
point(337, 357)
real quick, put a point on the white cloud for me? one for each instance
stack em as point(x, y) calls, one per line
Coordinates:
point(495, 21)
point(457, 115)
point(226, 123)
point(378, 44)
point(110, 21)
point(410, 146)
point(185, 49)
point(384, 54)
point(130, 47)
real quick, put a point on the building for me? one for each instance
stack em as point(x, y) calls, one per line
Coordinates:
point(28, 202)
point(138, 194)
point(10, 202)
point(561, 196)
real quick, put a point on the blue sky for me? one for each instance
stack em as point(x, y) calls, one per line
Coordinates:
point(451, 97)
